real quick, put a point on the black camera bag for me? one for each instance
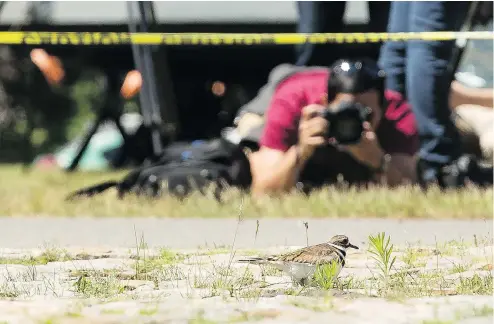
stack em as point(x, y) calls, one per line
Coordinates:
point(183, 168)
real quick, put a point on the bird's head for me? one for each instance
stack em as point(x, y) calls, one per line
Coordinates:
point(342, 241)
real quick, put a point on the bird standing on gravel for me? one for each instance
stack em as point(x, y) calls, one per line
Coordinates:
point(301, 264)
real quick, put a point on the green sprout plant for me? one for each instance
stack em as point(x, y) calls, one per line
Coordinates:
point(382, 252)
point(325, 275)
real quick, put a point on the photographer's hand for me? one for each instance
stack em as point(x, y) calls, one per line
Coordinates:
point(368, 150)
point(312, 130)
point(275, 170)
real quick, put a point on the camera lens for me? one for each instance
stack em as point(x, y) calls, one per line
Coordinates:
point(348, 130)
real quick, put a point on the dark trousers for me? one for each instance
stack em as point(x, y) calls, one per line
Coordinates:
point(417, 69)
point(327, 17)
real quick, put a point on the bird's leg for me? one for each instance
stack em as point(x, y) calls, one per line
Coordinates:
point(297, 282)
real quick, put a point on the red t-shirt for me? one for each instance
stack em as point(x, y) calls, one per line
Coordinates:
point(396, 131)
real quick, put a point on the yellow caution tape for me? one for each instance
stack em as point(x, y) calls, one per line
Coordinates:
point(217, 39)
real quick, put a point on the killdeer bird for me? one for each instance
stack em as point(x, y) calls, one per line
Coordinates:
point(301, 264)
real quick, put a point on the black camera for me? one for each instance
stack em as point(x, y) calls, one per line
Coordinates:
point(346, 121)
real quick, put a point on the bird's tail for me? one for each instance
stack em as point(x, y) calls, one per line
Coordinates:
point(255, 260)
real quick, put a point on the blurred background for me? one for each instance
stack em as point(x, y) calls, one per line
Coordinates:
point(44, 123)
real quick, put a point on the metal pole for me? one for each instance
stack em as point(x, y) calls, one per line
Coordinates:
point(149, 77)
point(461, 43)
point(165, 97)
point(146, 96)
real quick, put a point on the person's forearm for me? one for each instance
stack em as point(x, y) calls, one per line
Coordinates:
point(483, 97)
point(400, 170)
point(283, 176)
point(461, 95)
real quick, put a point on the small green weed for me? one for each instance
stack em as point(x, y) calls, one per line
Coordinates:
point(325, 275)
point(382, 252)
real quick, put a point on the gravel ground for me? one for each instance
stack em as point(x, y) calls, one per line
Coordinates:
point(265, 310)
point(85, 270)
point(203, 286)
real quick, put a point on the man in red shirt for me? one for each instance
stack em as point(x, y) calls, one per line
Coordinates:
point(295, 151)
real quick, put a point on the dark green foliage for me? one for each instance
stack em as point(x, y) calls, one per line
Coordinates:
point(36, 117)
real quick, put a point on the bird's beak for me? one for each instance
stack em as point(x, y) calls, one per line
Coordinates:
point(350, 245)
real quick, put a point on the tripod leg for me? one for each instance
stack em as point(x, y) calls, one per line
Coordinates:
point(156, 122)
point(150, 80)
point(138, 52)
point(82, 148)
point(158, 108)
point(166, 108)
point(126, 143)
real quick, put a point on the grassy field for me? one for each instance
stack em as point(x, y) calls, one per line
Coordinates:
point(41, 192)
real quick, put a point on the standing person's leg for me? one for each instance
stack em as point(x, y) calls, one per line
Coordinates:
point(378, 23)
point(378, 16)
point(393, 60)
point(394, 54)
point(428, 83)
point(317, 17)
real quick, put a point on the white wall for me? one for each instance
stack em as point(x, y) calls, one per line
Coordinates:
point(79, 12)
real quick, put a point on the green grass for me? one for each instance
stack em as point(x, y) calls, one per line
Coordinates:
point(483, 311)
point(98, 286)
point(49, 255)
point(42, 193)
point(148, 311)
point(113, 311)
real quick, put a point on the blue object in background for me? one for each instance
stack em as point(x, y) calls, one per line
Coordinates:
point(186, 155)
point(197, 142)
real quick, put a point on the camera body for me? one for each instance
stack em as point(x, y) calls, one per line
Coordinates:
point(346, 121)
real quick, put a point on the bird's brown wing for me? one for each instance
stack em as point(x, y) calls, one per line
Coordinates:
point(316, 254)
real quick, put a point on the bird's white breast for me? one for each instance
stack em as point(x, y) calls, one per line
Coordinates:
point(302, 270)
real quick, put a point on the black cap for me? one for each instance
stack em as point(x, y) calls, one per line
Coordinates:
point(355, 76)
